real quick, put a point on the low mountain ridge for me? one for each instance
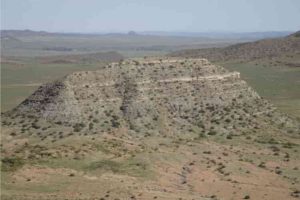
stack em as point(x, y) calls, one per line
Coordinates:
point(105, 57)
point(267, 48)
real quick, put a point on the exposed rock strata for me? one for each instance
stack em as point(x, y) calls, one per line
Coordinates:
point(153, 96)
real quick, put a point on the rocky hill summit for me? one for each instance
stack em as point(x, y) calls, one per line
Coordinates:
point(163, 96)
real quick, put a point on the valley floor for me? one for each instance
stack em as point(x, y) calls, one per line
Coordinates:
point(122, 166)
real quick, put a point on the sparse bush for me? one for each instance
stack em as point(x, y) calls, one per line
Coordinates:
point(96, 120)
point(59, 122)
point(78, 127)
point(288, 145)
point(13, 134)
point(212, 133)
point(35, 126)
point(227, 120)
point(229, 137)
point(11, 164)
point(91, 126)
point(262, 165)
point(71, 174)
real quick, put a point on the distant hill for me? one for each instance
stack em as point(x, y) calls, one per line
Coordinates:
point(40, 43)
point(132, 44)
point(297, 34)
point(267, 48)
point(220, 34)
point(111, 56)
point(210, 35)
point(18, 33)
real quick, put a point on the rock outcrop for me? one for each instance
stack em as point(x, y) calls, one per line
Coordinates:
point(153, 96)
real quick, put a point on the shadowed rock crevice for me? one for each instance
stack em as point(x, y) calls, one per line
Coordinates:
point(128, 92)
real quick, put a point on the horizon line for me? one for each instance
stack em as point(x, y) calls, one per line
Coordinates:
point(151, 31)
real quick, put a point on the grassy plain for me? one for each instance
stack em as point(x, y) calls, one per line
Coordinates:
point(32, 44)
point(279, 84)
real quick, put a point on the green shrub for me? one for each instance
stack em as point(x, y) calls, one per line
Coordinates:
point(91, 126)
point(229, 137)
point(35, 126)
point(78, 127)
point(96, 120)
point(212, 133)
point(11, 164)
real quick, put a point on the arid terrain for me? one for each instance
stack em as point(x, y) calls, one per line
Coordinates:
point(31, 58)
point(270, 66)
point(149, 128)
point(150, 100)
point(268, 48)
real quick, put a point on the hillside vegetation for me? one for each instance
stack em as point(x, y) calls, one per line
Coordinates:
point(149, 129)
point(270, 66)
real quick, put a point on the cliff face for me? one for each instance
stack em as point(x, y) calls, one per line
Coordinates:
point(161, 96)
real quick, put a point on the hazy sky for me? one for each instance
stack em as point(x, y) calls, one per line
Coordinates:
point(151, 15)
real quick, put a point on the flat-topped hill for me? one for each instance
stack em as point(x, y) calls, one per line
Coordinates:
point(149, 129)
point(158, 96)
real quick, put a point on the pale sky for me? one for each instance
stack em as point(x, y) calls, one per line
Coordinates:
point(151, 15)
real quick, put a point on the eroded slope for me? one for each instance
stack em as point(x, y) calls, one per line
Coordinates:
point(157, 96)
point(149, 129)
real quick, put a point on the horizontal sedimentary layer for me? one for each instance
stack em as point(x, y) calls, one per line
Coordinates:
point(137, 93)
